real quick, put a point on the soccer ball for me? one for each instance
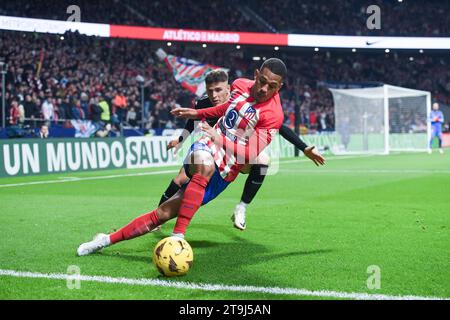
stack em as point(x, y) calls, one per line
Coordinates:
point(173, 256)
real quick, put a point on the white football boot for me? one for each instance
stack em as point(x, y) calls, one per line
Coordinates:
point(238, 217)
point(156, 229)
point(441, 151)
point(99, 242)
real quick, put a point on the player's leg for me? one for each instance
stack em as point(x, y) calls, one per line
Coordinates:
point(138, 227)
point(433, 134)
point(174, 186)
point(440, 141)
point(201, 167)
point(256, 174)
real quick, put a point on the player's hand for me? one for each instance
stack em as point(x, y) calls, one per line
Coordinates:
point(316, 157)
point(172, 144)
point(209, 131)
point(187, 113)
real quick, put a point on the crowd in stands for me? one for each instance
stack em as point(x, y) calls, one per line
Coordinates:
point(114, 12)
point(92, 78)
point(53, 79)
point(406, 18)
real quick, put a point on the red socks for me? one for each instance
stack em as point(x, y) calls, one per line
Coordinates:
point(192, 200)
point(139, 226)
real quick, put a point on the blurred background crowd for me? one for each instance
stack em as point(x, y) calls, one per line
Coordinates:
point(55, 79)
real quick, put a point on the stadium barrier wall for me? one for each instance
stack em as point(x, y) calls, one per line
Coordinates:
point(446, 140)
point(44, 156)
point(25, 157)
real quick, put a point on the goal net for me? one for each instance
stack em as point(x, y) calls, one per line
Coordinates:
point(381, 119)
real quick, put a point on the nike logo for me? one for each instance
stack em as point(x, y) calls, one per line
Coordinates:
point(369, 43)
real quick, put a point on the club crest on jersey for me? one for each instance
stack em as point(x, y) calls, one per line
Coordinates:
point(250, 113)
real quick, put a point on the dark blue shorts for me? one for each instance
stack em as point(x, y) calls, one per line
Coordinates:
point(215, 185)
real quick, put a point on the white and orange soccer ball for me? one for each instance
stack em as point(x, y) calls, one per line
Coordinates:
point(173, 256)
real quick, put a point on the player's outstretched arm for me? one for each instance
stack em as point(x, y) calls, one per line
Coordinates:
point(197, 114)
point(310, 152)
point(316, 157)
point(292, 137)
point(187, 113)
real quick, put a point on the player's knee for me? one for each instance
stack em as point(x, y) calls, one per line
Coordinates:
point(202, 163)
point(181, 179)
point(207, 171)
point(164, 213)
point(202, 157)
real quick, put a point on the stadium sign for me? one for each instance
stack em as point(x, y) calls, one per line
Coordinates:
point(203, 36)
point(31, 157)
point(230, 37)
point(38, 156)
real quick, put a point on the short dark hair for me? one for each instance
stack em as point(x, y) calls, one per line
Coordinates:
point(217, 75)
point(276, 66)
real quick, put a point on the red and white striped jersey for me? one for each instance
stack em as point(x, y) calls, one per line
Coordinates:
point(245, 127)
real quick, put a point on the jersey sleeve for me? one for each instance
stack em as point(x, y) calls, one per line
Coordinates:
point(292, 137)
point(219, 111)
point(189, 125)
point(188, 128)
point(213, 112)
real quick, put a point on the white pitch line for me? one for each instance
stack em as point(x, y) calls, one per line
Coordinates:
point(215, 287)
point(74, 179)
point(304, 159)
point(413, 171)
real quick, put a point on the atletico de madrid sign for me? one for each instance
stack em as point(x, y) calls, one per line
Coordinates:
point(230, 37)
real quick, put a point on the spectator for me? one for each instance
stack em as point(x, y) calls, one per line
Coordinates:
point(66, 108)
point(14, 113)
point(120, 103)
point(77, 111)
point(43, 132)
point(29, 109)
point(48, 109)
point(132, 117)
point(103, 104)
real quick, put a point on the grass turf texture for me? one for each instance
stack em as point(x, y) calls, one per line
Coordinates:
point(311, 228)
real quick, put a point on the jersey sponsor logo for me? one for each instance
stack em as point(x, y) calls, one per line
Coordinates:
point(230, 136)
point(231, 118)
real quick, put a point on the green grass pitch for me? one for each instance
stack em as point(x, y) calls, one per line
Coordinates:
point(308, 228)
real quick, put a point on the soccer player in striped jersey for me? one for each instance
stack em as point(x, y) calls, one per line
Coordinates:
point(248, 121)
point(218, 92)
point(437, 119)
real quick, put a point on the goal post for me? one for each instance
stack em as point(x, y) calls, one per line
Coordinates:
point(381, 119)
